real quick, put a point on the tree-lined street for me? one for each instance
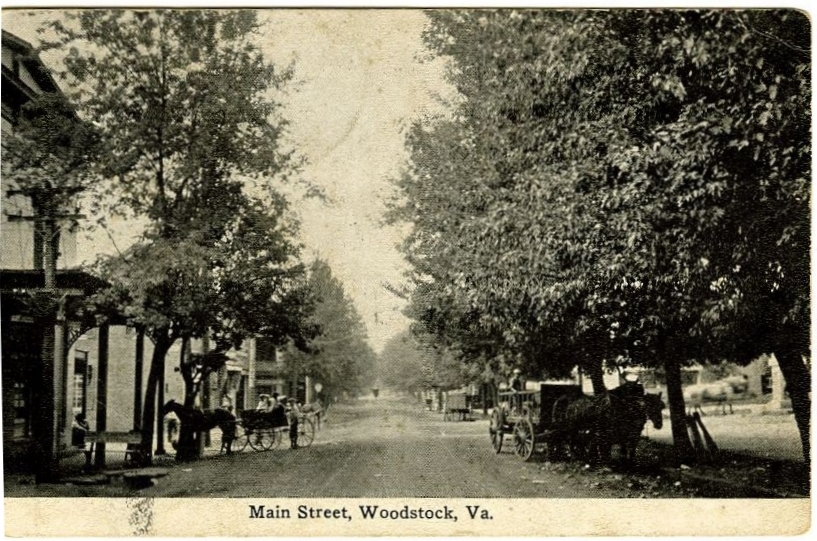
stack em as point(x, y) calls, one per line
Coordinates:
point(605, 202)
point(391, 447)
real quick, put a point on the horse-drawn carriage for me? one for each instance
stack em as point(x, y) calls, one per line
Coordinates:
point(561, 418)
point(529, 416)
point(261, 430)
point(265, 430)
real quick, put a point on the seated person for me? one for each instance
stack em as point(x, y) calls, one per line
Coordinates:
point(78, 430)
point(263, 403)
point(516, 380)
point(278, 412)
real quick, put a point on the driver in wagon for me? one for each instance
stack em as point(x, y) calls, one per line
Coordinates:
point(516, 385)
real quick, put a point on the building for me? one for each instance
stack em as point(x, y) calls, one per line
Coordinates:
point(99, 369)
point(22, 277)
point(42, 395)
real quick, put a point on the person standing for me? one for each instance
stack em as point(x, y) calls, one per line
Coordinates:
point(293, 413)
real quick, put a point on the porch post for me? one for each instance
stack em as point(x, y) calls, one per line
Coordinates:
point(101, 393)
point(160, 418)
point(137, 379)
point(61, 366)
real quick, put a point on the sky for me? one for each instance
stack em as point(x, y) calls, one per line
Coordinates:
point(359, 82)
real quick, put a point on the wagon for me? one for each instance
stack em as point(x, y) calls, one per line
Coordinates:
point(533, 417)
point(457, 406)
point(264, 430)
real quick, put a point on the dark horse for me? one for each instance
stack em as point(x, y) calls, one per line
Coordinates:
point(617, 417)
point(201, 421)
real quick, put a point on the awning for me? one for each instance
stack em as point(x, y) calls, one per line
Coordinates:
point(25, 280)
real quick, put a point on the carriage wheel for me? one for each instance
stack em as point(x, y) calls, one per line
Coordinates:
point(495, 430)
point(262, 439)
point(524, 439)
point(241, 440)
point(306, 432)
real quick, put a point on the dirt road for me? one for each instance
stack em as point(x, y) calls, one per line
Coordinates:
point(379, 448)
point(391, 448)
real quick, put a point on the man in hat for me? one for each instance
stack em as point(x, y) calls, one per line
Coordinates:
point(516, 386)
point(516, 380)
point(293, 413)
point(278, 411)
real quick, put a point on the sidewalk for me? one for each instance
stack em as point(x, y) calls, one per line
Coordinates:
point(72, 465)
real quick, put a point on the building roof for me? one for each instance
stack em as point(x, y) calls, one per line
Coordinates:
point(31, 60)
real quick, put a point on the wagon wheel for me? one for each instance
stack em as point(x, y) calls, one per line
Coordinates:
point(495, 430)
point(306, 432)
point(241, 439)
point(262, 439)
point(524, 439)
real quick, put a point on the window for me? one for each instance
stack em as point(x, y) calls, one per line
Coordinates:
point(80, 384)
point(21, 422)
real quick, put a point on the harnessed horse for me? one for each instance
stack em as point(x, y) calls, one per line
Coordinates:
point(201, 421)
point(615, 418)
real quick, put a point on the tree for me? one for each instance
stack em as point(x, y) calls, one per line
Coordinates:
point(413, 362)
point(224, 282)
point(339, 355)
point(399, 365)
point(181, 99)
point(578, 198)
point(48, 158)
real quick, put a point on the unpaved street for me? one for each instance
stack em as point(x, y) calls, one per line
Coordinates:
point(391, 447)
point(379, 448)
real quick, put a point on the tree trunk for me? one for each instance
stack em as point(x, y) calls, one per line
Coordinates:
point(157, 365)
point(684, 453)
point(44, 423)
point(188, 445)
point(798, 385)
point(595, 372)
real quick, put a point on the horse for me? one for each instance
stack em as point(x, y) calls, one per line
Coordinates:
point(202, 421)
point(316, 410)
point(655, 407)
point(617, 417)
point(720, 392)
